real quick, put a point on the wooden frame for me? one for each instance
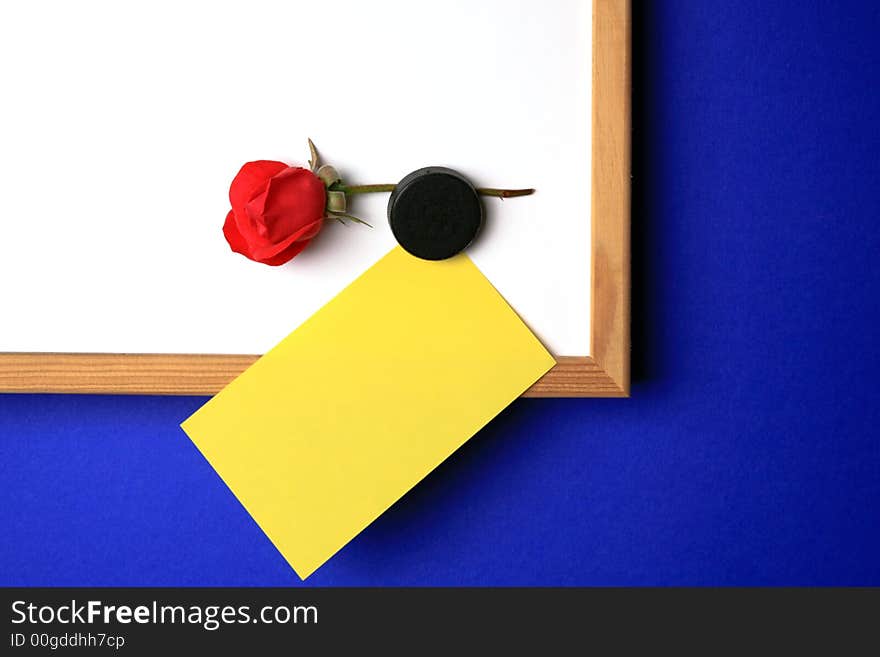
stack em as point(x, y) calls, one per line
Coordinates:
point(604, 373)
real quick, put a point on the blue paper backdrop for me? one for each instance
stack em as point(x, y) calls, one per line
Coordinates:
point(749, 452)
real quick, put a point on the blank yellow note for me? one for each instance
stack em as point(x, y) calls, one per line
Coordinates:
point(330, 428)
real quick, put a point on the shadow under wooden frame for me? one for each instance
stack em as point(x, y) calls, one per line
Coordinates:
point(605, 372)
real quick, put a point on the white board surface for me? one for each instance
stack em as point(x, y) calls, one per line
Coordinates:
point(123, 123)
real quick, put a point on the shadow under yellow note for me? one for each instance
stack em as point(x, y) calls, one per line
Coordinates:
point(351, 410)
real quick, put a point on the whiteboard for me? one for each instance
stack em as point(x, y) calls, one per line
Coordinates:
point(123, 124)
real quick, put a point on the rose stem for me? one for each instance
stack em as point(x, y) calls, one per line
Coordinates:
point(504, 193)
point(483, 191)
point(363, 189)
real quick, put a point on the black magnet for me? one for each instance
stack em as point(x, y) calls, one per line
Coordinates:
point(435, 213)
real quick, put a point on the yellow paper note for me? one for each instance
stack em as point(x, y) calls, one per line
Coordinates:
point(326, 431)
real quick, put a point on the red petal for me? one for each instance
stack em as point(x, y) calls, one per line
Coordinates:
point(287, 255)
point(236, 242)
point(252, 179)
point(275, 254)
point(262, 251)
point(293, 199)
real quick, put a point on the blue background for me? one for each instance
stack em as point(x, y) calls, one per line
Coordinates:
point(749, 452)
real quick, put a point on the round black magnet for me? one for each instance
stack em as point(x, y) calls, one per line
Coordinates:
point(435, 213)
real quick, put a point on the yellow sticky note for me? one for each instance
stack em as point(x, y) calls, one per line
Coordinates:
point(326, 431)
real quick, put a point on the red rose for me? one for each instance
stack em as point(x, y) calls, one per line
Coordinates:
point(276, 211)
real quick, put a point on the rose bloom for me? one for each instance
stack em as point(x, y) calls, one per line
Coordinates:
point(276, 211)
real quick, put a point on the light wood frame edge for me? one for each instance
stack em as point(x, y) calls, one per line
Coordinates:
point(605, 373)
